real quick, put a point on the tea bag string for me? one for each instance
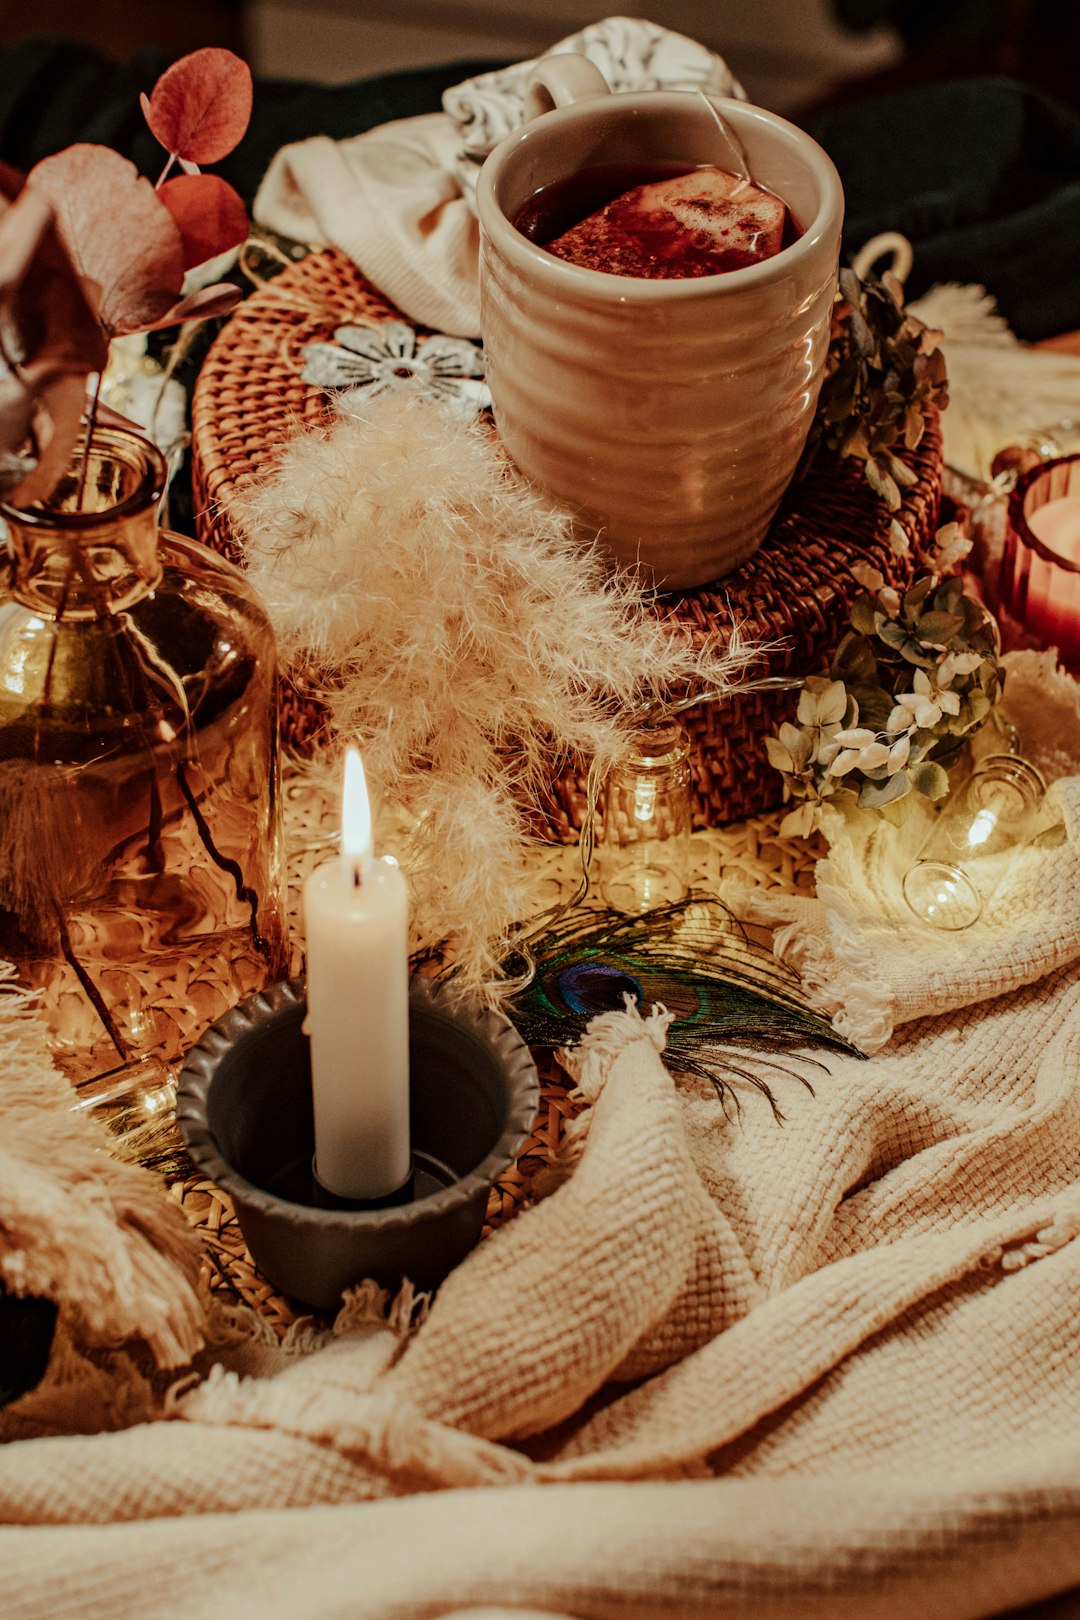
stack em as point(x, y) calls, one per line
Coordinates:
point(731, 140)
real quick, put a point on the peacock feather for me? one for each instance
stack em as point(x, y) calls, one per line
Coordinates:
point(736, 1008)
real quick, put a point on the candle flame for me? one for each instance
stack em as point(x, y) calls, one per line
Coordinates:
point(356, 842)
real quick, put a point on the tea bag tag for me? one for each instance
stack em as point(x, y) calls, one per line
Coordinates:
point(733, 147)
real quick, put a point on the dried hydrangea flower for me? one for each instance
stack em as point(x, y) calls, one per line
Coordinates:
point(915, 676)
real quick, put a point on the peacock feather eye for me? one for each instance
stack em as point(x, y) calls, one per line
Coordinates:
point(736, 1011)
point(592, 987)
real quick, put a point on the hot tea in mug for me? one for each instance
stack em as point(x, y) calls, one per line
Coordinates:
point(659, 221)
point(665, 401)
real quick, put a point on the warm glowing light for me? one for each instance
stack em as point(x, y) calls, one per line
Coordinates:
point(356, 842)
point(644, 799)
point(981, 828)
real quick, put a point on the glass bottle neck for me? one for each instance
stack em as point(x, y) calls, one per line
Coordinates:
point(661, 745)
point(91, 549)
point(1008, 775)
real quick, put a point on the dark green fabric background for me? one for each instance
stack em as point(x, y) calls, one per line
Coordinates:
point(983, 175)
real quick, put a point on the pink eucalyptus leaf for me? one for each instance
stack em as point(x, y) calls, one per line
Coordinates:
point(201, 106)
point(50, 336)
point(59, 402)
point(210, 216)
point(219, 299)
point(44, 313)
point(121, 239)
point(16, 411)
point(23, 228)
point(105, 416)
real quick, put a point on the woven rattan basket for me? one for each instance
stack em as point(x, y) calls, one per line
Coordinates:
point(792, 596)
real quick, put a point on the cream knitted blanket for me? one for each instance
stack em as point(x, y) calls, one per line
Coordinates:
point(826, 1368)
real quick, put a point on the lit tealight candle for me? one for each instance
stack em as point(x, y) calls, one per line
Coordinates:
point(1057, 525)
point(1040, 565)
point(356, 916)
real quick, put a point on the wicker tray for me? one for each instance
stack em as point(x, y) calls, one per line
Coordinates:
point(793, 595)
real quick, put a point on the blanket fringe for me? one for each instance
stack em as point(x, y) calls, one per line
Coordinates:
point(237, 1327)
point(80, 1395)
point(589, 1064)
point(228, 1324)
point(1062, 1229)
point(837, 973)
point(368, 1305)
point(606, 1038)
point(377, 1429)
point(862, 1007)
point(57, 1180)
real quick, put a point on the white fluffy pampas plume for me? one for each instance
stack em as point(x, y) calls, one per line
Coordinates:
point(98, 1238)
point(462, 637)
point(998, 387)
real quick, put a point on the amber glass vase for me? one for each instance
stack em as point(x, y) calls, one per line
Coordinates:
point(141, 872)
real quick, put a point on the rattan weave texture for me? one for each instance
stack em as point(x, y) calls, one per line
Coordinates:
point(792, 596)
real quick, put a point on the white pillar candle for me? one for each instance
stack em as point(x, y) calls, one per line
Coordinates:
point(355, 918)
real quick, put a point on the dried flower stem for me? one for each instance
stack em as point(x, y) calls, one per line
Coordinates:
point(90, 989)
point(466, 638)
point(225, 863)
point(91, 424)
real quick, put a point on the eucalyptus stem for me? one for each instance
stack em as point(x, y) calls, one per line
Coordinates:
point(88, 439)
point(45, 708)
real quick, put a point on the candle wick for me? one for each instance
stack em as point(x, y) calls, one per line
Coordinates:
point(357, 875)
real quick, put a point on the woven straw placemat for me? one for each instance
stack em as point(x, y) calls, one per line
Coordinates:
point(792, 597)
point(749, 853)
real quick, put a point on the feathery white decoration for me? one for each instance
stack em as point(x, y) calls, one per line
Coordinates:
point(464, 639)
point(97, 1237)
point(998, 387)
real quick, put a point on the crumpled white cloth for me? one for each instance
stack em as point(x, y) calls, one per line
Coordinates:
point(399, 200)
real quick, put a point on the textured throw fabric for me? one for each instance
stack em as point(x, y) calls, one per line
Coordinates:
point(730, 1367)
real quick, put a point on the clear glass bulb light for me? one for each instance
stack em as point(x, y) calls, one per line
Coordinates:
point(643, 850)
point(966, 853)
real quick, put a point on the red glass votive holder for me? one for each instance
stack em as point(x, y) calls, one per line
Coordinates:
point(1040, 566)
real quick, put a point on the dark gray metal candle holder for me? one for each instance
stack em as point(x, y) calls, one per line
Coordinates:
point(244, 1108)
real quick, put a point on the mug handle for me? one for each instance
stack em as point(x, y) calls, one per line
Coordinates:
point(562, 80)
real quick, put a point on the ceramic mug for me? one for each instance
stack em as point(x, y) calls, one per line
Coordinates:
point(668, 415)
